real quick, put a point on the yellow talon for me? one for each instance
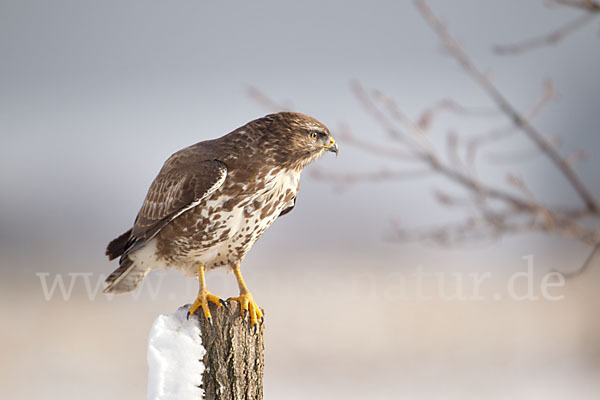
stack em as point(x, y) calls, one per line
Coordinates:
point(249, 306)
point(204, 297)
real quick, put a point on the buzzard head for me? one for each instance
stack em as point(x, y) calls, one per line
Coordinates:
point(295, 139)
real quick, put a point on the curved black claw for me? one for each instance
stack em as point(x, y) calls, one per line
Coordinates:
point(187, 316)
point(223, 303)
point(210, 322)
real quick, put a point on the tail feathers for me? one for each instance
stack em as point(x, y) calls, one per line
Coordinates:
point(125, 278)
point(118, 246)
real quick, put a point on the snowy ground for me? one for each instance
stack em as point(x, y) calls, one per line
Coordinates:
point(337, 345)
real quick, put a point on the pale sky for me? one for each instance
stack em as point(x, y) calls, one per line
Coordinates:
point(96, 95)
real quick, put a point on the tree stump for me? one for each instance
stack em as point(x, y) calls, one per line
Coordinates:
point(234, 359)
point(189, 359)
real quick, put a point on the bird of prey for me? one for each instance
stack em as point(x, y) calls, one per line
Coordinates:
point(211, 201)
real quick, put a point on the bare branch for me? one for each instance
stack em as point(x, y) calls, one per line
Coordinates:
point(348, 179)
point(493, 211)
point(423, 152)
point(548, 94)
point(576, 156)
point(452, 150)
point(491, 225)
point(487, 227)
point(522, 155)
point(393, 153)
point(268, 103)
point(517, 119)
point(427, 116)
point(383, 120)
point(588, 261)
point(496, 134)
point(548, 39)
point(587, 5)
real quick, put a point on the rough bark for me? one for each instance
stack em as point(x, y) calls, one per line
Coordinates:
point(234, 360)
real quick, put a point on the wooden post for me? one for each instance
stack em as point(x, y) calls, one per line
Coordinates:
point(234, 359)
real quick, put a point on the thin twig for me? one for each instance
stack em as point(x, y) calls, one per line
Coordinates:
point(547, 39)
point(376, 176)
point(522, 155)
point(475, 143)
point(493, 211)
point(268, 103)
point(426, 118)
point(588, 5)
point(371, 147)
point(425, 153)
point(585, 265)
point(517, 119)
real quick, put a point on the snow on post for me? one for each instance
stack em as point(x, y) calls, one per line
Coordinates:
point(175, 355)
point(189, 359)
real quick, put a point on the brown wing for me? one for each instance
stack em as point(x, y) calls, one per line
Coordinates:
point(176, 189)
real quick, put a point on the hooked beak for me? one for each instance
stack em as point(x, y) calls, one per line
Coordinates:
point(333, 147)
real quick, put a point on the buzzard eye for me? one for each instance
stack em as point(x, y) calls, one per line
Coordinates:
point(314, 136)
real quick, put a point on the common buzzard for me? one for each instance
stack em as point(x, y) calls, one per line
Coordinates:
point(211, 201)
